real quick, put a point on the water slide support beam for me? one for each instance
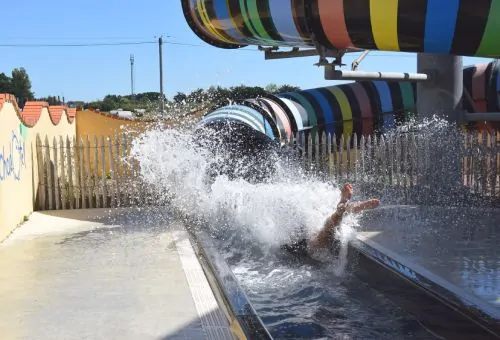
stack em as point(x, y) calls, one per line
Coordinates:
point(332, 74)
point(442, 95)
point(358, 60)
point(272, 53)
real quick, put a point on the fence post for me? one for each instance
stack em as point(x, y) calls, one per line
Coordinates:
point(329, 155)
point(475, 161)
point(323, 158)
point(471, 163)
point(49, 174)
point(341, 157)
point(127, 172)
point(71, 185)
point(398, 160)
point(104, 175)
point(483, 156)
point(90, 184)
point(76, 158)
point(355, 156)
point(335, 157)
point(362, 156)
point(42, 182)
point(97, 191)
point(413, 160)
point(113, 174)
point(83, 177)
point(310, 145)
point(348, 152)
point(63, 184)
point(118, 171)
point(57, 190)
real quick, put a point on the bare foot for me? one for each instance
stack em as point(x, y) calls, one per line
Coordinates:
point(346, 193)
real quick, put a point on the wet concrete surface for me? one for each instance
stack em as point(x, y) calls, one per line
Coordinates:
point(457, 246)
point(102, 274)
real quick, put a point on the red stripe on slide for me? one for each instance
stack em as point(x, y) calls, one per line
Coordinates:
point(331, 14)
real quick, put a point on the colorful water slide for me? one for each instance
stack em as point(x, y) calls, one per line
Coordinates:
point(358, 107)
point(458, 27)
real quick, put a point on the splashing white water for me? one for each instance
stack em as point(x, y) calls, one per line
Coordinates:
point(270, 213)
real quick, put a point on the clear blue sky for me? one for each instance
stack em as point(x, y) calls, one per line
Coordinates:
point(89, 73)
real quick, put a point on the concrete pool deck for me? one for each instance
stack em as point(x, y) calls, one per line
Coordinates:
point(452, 253)
point(105, 274)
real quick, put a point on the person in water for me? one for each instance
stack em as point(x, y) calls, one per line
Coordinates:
point(326, 238)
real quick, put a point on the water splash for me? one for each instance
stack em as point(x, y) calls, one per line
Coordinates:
point(267, 213)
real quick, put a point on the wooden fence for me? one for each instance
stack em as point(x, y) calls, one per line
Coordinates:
point(408, 162)
point(88, 173)
point(97, 172)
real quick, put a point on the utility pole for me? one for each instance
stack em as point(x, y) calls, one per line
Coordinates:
point(162, 103)
point(132, 76)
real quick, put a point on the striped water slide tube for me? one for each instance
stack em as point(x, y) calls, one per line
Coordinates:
point(238, 23)
point(359, 107)
point(458, 27)
point(246, 113)
point(482, 82)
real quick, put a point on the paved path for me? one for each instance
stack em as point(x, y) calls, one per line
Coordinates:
point(101, 274)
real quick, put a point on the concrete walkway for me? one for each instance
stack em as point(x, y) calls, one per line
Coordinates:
point(105, 274)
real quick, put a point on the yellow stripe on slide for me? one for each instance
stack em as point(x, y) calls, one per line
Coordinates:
point(343, 101)
point(208, 25)
point(384, 18)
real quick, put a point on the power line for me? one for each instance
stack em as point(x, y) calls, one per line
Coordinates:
point(256, 50)
point(122, 43)
point(150, 42)
point(74, 38)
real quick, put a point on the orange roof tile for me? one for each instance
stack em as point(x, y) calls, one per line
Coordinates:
point(33, 109)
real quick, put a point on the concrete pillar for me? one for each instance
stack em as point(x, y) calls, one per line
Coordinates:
point(441, 95)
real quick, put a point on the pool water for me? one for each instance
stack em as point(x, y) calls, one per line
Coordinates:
point(312, 301)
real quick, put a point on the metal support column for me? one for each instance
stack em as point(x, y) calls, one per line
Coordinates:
point(442, 93)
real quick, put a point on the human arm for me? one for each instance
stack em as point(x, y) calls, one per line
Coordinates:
point(358, 207)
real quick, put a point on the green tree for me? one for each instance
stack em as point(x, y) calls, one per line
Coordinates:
point(271, 88)
point(287, 88)
point(52, 100)
point(180, 97)
point(246, 92)
point(219, 95)
point(21, 85)
point(197, 96)
point(5, 83)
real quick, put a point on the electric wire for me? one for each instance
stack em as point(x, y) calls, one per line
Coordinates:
point(145, 42)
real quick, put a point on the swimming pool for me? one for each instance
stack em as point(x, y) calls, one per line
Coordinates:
point(311, 301)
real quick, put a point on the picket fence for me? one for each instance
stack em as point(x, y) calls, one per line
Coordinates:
point(97, 172)
point(88, 173)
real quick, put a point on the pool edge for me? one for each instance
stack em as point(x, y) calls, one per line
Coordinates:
point(453, 299)
point(243, 319)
